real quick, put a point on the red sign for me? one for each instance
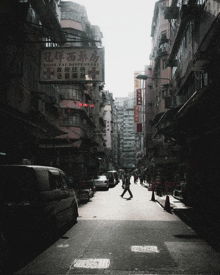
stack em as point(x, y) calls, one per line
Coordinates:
point(136, 114)
point(139, 127)
point(139, 97)
point(86, 105)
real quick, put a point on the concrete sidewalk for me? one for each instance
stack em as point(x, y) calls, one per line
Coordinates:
point(200, 219)
point(175, 203)
point(204, 223)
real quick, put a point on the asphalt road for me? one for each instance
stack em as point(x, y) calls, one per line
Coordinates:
point(114, 235)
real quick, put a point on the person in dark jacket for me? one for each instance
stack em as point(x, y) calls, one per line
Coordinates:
point(127, 187)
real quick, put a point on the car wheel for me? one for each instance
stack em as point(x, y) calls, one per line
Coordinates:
point(88, 197)
point(51, 231)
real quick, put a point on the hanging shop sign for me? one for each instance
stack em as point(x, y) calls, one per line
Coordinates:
point(70, 65)
point(139, 127)
point(136, 114)
point(139, 97)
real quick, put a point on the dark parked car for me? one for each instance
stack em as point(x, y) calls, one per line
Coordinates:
point(115, 173)
point(36, 201)
point(112, 177)
point(84, 189)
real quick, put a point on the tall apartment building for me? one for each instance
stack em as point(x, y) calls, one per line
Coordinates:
point(112, 132)
point(79, 151)
point(127, 150)
point(149, 114)
point(158, 88)
point(52, 113)
point(29, 109)
point(190, 126)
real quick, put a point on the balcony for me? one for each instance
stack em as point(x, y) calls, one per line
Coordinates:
point(171, 12)
point(163, 50)
point(188, 12)
point(174, 101)
point(152, 56)
point(200, 61)
point(50, 94)
point(49, 13)
point(163, 40)
point(171, 63)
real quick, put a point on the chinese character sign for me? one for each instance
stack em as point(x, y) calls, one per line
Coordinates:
point(72, 65)
point(139, 97)
point(136, 114)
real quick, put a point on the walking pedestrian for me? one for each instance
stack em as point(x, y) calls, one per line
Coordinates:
point(123, 180)
point(127, 187)
point(135, 177)
point(141, 177)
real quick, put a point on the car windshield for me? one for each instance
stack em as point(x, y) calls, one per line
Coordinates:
point(109, 175)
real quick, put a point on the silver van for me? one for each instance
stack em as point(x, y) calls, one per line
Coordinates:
point(36, 201)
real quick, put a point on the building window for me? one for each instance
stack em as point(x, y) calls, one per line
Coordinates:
point(202, 80)
point(164, 64)
point(72, 93)
point(185, 43)
point(72, 120)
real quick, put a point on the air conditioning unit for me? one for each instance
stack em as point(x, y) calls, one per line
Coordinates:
point(41, 107)
point(150, 85)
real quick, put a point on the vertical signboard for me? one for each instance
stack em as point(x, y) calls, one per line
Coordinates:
point(139, 127)
point(68, 65)
point(139, 97)
point(136, 114)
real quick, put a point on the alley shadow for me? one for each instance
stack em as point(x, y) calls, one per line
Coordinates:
point(204, 224)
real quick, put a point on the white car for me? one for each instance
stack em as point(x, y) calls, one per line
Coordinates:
point(101, 182)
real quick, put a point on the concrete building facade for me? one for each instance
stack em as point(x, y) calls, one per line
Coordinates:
point(190, 125)
point(127, 151)
point(29, 109)
point(49, 123)
point(82, 104)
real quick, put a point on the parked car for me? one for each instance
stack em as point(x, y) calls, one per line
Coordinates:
point(115, 173)
point(101, 182)
point(36, 201)
point(110, 176)
point(86, 190)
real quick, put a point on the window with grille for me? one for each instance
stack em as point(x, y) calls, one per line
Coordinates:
point(72, 93)
point(72, 120)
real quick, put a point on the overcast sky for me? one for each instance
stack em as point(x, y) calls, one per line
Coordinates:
point(126, 27)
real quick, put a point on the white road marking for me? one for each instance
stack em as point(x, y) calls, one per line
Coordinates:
point(90, 263)
point(145, 249)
